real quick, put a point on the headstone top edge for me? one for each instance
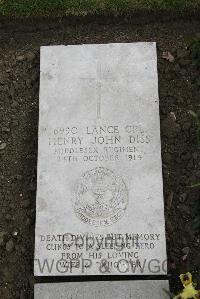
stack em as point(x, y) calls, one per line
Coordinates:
point(102, 282)
point(43, 48)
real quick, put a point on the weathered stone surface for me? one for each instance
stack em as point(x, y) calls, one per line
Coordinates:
point(103, 290)
point(99, 193)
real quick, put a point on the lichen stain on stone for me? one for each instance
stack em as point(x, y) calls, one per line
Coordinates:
point(47, 76)
point(41, 204)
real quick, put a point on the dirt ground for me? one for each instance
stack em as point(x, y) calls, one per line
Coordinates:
point(19, 96)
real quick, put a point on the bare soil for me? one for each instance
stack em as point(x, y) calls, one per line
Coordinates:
point(20, 42)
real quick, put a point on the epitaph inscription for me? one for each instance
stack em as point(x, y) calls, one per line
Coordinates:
point(99, 194)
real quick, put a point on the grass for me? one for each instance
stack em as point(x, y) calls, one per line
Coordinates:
point(92, 7)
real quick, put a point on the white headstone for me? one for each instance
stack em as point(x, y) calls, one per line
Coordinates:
point(146, 289)
point(100, 191)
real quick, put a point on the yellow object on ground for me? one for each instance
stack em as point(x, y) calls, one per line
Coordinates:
point(189, 290)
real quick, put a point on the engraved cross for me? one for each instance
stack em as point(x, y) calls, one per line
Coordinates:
point(98, 81)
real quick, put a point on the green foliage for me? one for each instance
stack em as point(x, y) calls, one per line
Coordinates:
point(91, 7)
point(196, 221)
point(197, 120)
point(194, 46)
point(171, 295)
point(195, 185)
